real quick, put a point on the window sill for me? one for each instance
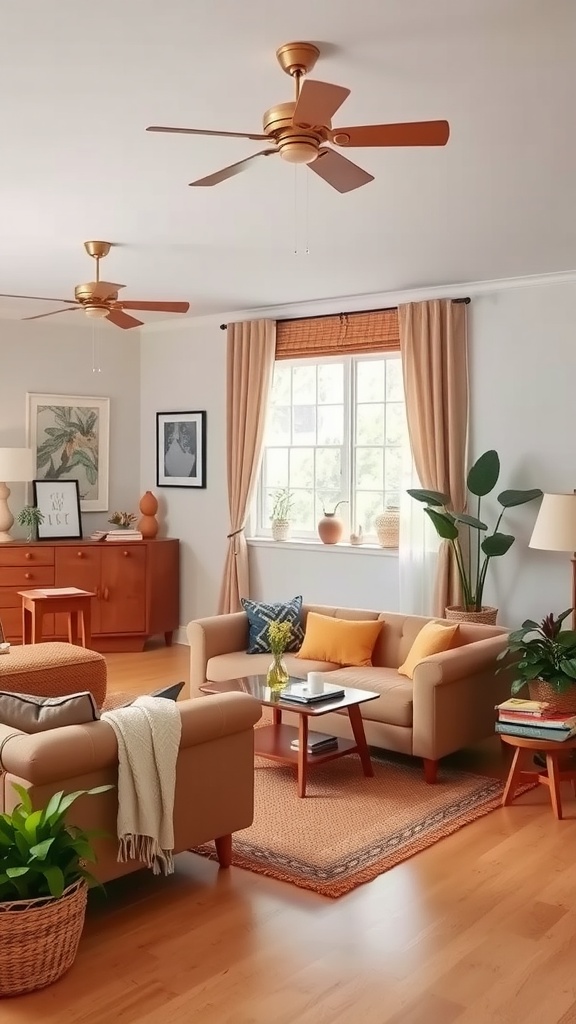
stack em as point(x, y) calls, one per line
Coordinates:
point(316, 545)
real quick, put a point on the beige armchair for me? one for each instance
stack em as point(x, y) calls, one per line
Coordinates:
point(448, 705)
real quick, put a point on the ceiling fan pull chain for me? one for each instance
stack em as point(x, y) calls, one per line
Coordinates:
point(95, 361)
point(295, 209)
point(306, 217)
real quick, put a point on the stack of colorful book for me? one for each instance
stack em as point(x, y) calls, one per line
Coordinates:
point(535, 720)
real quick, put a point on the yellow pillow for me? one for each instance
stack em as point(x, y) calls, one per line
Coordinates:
point(342, 641)
point(433, 638)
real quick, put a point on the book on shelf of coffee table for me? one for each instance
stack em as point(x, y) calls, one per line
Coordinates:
point(303, 693)
point(317, 742)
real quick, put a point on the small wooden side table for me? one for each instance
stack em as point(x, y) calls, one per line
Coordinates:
point(38, 603)
point(552, 777)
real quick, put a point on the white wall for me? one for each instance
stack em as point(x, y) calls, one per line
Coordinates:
point(523, 367)
point(56, 358)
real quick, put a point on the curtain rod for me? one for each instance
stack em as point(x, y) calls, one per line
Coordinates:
point(323, 316)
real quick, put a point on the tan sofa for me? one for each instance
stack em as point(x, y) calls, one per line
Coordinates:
point(448, 705)
point(214, 777)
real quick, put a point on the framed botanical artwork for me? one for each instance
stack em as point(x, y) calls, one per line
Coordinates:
point(70, 438)
point(181, 449)
point(59, 503)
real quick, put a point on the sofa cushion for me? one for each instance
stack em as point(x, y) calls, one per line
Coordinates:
point(238, 664)
point(395, 704)
point(261, 614)
point(339, 640)
point(32, 714)
point(433, 638)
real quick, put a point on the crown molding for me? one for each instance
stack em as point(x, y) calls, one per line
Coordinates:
point(368, 300)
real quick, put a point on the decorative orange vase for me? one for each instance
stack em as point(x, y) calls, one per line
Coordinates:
point(330, 528)
point(148, 524)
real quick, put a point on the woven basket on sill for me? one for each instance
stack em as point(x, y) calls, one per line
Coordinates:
point(559, 702)
point(39, 939)
point(487, 616)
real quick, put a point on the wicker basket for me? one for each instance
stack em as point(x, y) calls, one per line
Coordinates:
point(487, 616)
point(39, 939)
point(559, 702)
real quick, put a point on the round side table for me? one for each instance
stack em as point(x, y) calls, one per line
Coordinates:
point(552, 777)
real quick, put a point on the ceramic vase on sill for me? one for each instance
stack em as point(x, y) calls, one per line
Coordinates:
point(331, 527)
point(388, 527)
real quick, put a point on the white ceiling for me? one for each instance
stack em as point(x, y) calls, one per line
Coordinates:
point(81, 81)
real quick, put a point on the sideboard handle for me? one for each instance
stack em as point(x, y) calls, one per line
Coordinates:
point(27, 575)
point(80, 554)
point(125, 553)
point(28, 555)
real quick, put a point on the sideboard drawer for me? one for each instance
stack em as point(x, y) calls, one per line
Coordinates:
point(35, 554)
point(27, 578)
point(11, 619)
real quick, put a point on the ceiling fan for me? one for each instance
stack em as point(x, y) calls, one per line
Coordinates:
point(300, 130)
point(99, 299)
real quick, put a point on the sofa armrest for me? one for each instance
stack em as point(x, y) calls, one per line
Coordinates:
point(459, 662)
point(217, 634)
point(76, 750)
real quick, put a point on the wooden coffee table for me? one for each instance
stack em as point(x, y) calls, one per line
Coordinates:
point(273, 741)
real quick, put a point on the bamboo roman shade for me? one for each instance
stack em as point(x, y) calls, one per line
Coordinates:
point(342, 334)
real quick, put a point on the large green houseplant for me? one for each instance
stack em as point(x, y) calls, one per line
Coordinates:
point(473, 557)
point(43, 889)
point(542, 656)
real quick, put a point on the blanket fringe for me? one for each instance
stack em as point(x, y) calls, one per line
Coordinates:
point(147, 850)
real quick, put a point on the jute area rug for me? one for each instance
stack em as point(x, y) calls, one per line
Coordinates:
point(349, 829)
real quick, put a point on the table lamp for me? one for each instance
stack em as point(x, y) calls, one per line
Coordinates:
point(16, 466)
point(555, 530)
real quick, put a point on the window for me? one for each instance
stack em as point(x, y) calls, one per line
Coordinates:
point(336, 431)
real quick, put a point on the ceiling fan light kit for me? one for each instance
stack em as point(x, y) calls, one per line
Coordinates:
point(301, 131)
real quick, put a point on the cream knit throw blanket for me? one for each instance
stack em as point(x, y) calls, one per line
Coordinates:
point(148, 734)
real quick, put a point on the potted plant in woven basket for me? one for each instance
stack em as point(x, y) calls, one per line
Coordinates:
point(542, 656)
point(473, 557)
point(43, 890)
point(282, 502)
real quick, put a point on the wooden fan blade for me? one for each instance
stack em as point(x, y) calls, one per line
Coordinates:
point(40, 298)
point(412, 133)
point(338, 171)
point(38, 316)
point(120, 319)
point(317, 103)
point(231, 170)
point(200, 131)
point(159, 307)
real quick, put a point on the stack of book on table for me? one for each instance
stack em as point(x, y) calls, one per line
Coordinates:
point(123, 535)
point(318, 743)
point(534, 720)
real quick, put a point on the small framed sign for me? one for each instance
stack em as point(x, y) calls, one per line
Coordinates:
point(59, 503)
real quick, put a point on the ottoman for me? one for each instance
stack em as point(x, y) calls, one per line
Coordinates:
point(53, 670)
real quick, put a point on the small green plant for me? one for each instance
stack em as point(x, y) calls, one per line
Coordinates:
point(31, 517)
point(542, 651)
point(282, 502)
point(472, 568)
point(40, 855)
point(122, 519)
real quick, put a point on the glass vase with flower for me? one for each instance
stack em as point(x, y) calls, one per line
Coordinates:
point(279, 636)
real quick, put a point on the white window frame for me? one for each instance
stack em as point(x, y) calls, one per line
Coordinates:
point(348, 448)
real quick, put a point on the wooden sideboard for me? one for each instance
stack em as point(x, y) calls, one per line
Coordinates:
point(136, 586)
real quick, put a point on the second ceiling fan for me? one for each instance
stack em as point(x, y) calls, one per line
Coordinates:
point(300, 130)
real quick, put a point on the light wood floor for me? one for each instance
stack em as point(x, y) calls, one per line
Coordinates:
point(479, 929)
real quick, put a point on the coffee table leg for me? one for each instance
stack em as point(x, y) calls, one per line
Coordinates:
point(513, 777)
point(357, 724)
point(302, 753)
point(277, 716)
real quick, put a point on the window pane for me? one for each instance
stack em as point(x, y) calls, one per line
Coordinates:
point(369, 504)
point(303, 518)
point(327, 500)
point(330, 383)
point(394, 383)
point(331, 424)
point(304, 424)
point(393, 469)
point(304, 385)
point(302, 467)
point(370, 380)
point(370, 424)
point(369, 468)
point(279, 425)
point(276, 467)
point(329, 470)
point(281, 385)
point(395, 423)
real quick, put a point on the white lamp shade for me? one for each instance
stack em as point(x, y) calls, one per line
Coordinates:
point(16, 464)
point(555, 526)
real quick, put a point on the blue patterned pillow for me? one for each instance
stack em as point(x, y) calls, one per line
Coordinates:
point(261, 614)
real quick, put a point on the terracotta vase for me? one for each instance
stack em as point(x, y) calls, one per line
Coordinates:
point(148, 524)
point(330, 528)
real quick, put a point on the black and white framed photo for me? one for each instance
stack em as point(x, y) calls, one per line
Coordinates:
point(59, 503)
point(181, 449)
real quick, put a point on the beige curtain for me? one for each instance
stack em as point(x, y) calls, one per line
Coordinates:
point(251, 350)
point(433, 344)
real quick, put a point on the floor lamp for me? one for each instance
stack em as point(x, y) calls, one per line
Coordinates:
point(555, 530)
point(16, 466)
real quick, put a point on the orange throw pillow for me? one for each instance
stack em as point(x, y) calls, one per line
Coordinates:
point(341, 641)
point(433, 638)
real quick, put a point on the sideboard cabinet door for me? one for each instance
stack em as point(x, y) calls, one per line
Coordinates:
point(78, 565)
point(123, 582)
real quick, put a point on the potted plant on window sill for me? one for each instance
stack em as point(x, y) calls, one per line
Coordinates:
point(542, 657)
point(43, 891)
point(472, 559)
point(282, 502)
